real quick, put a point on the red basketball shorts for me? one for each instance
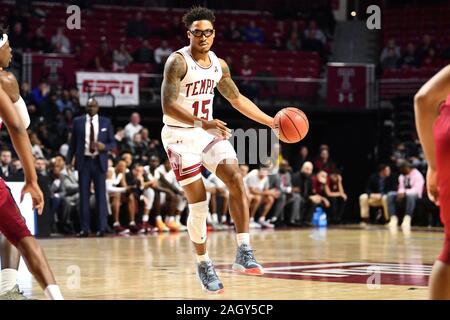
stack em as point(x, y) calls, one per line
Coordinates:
point(442, 139)
point(12, 224)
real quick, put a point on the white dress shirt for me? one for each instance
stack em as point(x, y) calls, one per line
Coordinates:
point(131, 130)
point(88, 134)
point(5, 171)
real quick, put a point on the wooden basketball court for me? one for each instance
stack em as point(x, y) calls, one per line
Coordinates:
point(333, 263)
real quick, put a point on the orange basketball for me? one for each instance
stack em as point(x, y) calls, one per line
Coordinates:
point(291, 125)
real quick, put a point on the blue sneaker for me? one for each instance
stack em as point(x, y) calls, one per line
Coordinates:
point(246, 262)
point(208, 277)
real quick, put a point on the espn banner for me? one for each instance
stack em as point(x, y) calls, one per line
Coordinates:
point(109, 89)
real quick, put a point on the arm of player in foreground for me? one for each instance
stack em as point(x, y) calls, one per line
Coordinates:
point(22, 145)
point(426, 105)
point(174, 71)
point(230, 91)
point(11, 88)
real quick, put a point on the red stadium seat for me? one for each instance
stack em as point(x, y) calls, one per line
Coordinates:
point(140, 68)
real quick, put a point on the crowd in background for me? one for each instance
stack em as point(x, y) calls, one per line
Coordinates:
point(425, 54)
point(286, 35)
point(143, 194)
point(287, 196)
point(398, 190)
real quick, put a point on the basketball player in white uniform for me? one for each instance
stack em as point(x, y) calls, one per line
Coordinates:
point(192, 139)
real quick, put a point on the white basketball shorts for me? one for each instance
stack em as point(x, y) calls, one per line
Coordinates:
point(191, 149)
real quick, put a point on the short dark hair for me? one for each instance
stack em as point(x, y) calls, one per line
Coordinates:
point(124, 152)
point(3, 30)
point(403, 164)
point(60, 155)
point(198, 13)
point(382, 166)
point(92, 99)
point(136, 165)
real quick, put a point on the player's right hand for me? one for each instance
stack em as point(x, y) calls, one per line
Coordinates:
point(432, 186)
point(217, 128)
point(36, 195)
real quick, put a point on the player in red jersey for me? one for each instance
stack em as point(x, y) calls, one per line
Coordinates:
point(432, 108)
point(10, 256)
point(12, 224)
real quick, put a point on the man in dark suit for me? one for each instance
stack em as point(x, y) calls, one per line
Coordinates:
point(92, 138)
point(6, 168)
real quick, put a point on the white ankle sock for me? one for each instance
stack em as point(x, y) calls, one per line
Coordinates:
point(145, 218)
point(116, 224)
point(243, 238)
point(158, 218)
point(204, 257)
point(8, 279)
point(177, 219)
point(52, 292)
point(261, 220)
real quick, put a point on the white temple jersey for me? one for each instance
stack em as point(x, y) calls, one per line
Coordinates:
point(197, 88)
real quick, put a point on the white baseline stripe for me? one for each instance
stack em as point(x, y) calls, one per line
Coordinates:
point(306, 274)
point(361, 272)
point(396, 268)
point(293, 273)
point(315, 266)
point(400, 265)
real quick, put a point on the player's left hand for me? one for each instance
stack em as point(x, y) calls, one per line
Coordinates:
point(432, 187)
point(36, 195)
point(217, 128)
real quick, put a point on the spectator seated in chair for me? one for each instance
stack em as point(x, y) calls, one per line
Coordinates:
point(410, 190)
point(376, 195)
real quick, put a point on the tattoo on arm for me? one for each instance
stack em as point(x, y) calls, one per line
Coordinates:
point(226, 86)
point(174, 71)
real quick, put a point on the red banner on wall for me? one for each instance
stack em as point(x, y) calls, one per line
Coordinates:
point(57, 69)
point(349, 85)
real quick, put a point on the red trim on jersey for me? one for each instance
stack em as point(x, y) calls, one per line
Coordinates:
point(209, 67)
point(190, 175)
point(180, 172)
point(212, 143)
point(195, 166)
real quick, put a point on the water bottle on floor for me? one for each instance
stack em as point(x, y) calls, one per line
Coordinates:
point(316, 216)
point(323, 220)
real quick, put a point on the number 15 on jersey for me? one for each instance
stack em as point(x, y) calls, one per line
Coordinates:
point(204, 111)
